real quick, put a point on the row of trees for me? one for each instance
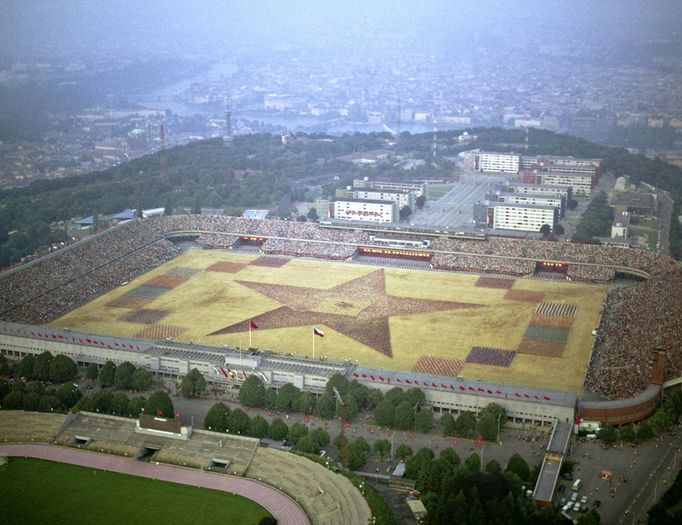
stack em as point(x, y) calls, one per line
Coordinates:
point(35, 397)
point(220, 418)
point(125, 376)
point(398, 408)
point(46, 367)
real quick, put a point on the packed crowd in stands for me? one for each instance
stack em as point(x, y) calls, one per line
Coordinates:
point(52, 273)
point(468, 263)
point(318, 250)
point(635, 321)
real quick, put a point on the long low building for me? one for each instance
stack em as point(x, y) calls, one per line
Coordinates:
point(229, 367)
point(365, 210)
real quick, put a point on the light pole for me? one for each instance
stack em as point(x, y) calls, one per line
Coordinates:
point(416, 405)
point(498, 427)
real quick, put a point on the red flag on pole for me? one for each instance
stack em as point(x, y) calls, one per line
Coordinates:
point(318, 332)
point(253, 325)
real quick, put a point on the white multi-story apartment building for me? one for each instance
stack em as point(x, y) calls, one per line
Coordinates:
point(553, 200)
point(402, 197)
point(580, 183)
point(490, 162)
point(364, 210)
point(520, 217)
point(416, 187)
point(538, 189)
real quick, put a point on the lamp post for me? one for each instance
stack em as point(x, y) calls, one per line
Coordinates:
point(498, 427)
point(416, 405)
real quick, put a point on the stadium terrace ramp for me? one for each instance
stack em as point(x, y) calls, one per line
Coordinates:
point(551, 465)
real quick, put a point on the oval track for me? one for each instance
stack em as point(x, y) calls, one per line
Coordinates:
point(283, 508)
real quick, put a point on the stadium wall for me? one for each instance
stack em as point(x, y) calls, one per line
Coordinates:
point(622, 412)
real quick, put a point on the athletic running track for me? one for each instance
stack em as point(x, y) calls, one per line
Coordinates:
point(283, 508)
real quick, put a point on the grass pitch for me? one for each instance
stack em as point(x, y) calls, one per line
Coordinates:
point(211, 300)
point(37, 491)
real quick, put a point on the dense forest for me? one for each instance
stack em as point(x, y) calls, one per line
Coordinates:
point(261, 171)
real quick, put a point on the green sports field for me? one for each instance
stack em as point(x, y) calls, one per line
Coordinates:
point(35, 491)
point(520, 331)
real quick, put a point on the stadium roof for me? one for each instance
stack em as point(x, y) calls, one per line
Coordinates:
point(465, 386)
point(124, 215)
point(256, 214)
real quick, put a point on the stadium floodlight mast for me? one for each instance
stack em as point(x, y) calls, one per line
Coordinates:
point(342, 433)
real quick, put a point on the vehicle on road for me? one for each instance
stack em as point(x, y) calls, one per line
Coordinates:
point(597, 503)
point(576, 485)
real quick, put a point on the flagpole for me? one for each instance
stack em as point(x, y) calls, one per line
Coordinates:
point(250, 345)
point(313, 343)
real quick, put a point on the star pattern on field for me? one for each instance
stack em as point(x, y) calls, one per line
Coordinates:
point(359, 309)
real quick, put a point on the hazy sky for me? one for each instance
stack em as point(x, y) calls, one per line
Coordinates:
point(183, 25)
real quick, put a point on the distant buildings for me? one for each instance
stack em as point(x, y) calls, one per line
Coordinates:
point(364, 210)
point(490, 162)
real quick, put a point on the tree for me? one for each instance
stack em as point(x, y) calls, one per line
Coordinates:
point(518, 466)
point(296, 432)
point(307, 445)
point(417, 465)
point(270, 398)
point(404, 416)
point(305, 403)
point(405, 212)
point(415, 396)
point(91, 372)
point(320, 436)
point(374, 397)
point(120, 405)
point(13, 401)
point(4, 365)
point(31, 401)
point(35, 387)
point(545, 230)
point(101, 401)
point(252, 392)
point(216, 418)
point(258, 427)
point(123, 377)
point(238, 422)
point(645, 431)
point(107, 374)
point(278, 429)
point(447, 424)
point(608, 434)
point(591, 518)
point(41, 368)
point(627, 433)
point(395, 396)
point(450, 457)
point(424, 421)
point(62, 368)
point(68, 394)
point(403, 451)
point(356, 457)
point(420, 201)
point(50, 404)
point(325, 407)
point(136, 405)
point(493, 468)
point(384, 413)
point(159, 404)
point(465, 425)
point(340, 382)
point(567, 467)
point(559, 229)
point(286, 398)
point(26, 366)
point(312, 214)
point(487, 427)
point(84, 404)
point(383, 447)
point(142, 379)
point(193, 384)
point(473, 463)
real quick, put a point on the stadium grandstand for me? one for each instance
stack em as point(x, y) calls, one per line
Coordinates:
point(635, 319)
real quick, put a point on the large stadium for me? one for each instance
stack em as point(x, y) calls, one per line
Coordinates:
point(437, 308)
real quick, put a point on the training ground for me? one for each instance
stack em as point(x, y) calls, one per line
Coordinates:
point(520, 331)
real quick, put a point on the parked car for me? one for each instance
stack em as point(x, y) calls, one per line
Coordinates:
point(574, 497)
point(596, 503)
point(562, 489)
point(576, 507)
point(583, 500)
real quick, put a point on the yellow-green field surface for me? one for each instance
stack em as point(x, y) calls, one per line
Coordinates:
point(530, 332)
